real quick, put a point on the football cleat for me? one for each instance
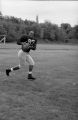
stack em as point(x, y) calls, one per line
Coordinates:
point(8, 71)
point(31, 77)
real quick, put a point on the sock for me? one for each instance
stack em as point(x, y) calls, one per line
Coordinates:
point(11, 69)
point(30, 72)
point(15, 68)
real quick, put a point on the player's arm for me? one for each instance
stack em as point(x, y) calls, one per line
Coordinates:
point(22, 40)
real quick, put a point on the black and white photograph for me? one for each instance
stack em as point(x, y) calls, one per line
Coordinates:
point(38, 60)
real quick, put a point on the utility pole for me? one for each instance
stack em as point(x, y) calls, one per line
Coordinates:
point(37, 19)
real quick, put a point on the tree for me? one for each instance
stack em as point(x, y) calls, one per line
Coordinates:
point(76, 31)
point(2, 30)
point(14, 27)
point(49, 31)
point(66, 29)
point(0, 15)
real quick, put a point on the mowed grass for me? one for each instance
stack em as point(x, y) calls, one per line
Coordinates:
point(54, 93)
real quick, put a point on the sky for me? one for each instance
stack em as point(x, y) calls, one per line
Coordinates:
point(56, 12)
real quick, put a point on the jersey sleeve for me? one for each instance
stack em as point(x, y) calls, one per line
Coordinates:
point(22, 39)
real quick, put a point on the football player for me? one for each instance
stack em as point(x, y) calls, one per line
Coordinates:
point(27, 42)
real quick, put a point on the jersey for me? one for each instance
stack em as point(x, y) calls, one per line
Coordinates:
point(27, 39)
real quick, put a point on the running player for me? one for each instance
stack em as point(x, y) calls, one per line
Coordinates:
point(25, 55)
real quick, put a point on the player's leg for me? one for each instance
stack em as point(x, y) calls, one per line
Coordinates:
point(31, 62)
point(12, 69)
point(21, 62)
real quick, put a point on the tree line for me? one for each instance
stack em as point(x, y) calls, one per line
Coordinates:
point(14, 27)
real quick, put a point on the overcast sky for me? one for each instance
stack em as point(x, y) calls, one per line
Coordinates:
point(54, 11)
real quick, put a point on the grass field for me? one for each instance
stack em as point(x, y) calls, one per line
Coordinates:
point(52, 96)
